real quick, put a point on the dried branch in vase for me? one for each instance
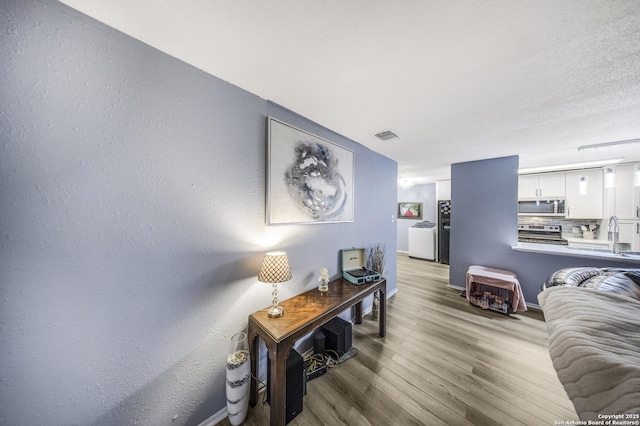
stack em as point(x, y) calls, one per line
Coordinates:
point(376, 257)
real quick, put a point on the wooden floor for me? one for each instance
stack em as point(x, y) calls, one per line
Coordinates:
point(443, 362)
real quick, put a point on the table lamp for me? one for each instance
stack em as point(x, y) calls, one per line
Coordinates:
point(275, 269)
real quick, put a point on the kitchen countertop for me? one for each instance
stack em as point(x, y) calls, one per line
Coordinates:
point(560, 250)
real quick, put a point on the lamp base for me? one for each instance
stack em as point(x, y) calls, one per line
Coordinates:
point(275, 311)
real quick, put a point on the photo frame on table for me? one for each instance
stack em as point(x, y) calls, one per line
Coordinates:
point(309, 179)
point(410, 210)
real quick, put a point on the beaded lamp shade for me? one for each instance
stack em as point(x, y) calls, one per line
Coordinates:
point(275, 269)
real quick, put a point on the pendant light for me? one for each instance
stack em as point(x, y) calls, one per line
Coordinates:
point(609, 178)
point(583, 188)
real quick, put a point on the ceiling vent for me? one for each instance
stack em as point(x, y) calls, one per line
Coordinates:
point(386, 135)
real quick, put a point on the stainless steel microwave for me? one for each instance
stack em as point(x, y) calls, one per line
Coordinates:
point(541, 207)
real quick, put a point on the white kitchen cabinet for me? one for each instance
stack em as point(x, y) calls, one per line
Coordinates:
point(552, 185)
point(527, 186)
point(544, 185)
point(587, 204)
point(443, 190)
point(626, 198)
point(630, 233)
point(584, 243)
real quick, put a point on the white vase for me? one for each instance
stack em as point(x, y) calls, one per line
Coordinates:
point(238, 379)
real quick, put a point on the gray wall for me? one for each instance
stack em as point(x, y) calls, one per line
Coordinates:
point(484, 197)
point(484, 222)
point(422, 193)
point(132, 224)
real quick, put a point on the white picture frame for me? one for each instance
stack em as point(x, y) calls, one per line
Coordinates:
point(309, 179)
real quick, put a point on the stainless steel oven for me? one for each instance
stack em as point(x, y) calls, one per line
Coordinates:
point(544, 234)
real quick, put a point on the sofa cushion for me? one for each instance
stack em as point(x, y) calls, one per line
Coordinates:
point(571, 276)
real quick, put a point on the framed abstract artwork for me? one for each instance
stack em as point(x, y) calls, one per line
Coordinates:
point(408, 210)
point(309, 179)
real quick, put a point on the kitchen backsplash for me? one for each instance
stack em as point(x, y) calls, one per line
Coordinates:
point(571, 228)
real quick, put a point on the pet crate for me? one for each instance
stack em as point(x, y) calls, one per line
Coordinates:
point(495, 289)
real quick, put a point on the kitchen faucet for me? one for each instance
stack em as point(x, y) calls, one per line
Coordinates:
point(616, 230)
point(615, 235)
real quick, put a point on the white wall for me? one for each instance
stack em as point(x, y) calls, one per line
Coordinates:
point(421, 193)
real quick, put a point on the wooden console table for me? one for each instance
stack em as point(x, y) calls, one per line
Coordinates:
point(303, 314)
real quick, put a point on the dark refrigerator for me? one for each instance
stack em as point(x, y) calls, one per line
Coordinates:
point(444, 230)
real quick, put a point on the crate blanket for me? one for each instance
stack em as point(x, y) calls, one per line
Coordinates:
point(499, 278)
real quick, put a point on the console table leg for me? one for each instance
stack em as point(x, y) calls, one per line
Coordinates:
point(383, 312)
point(358, 307)
point(253, 355)
point(277, 384)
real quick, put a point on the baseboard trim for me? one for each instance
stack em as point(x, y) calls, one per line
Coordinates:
point(534, 306)
point(455, 287)
point(216, 418)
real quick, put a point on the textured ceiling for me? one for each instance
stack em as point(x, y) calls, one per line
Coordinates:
point(457, 80)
